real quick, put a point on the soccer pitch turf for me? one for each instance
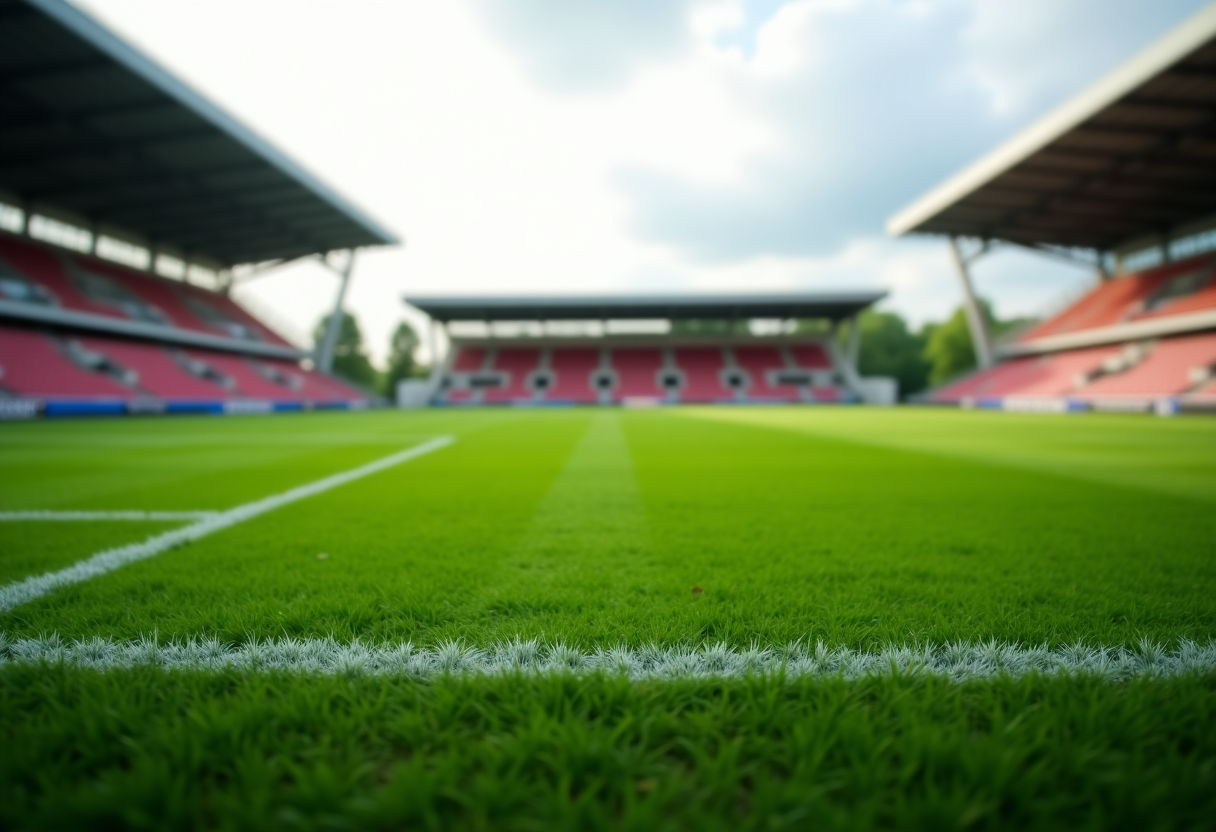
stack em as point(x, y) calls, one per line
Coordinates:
point(487, 619)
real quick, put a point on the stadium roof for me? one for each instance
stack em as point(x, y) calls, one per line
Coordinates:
point(1132, 157)
point(833, 305)
point(93, 130)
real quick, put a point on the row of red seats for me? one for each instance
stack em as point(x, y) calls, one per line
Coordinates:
point(1174, 289)
point(39, 364)
point(87, 284)
point(1167, 367)
point(576, 373)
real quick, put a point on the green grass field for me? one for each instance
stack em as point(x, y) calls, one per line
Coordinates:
point(534, 655)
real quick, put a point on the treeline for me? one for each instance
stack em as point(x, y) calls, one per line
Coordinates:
point(352, 363)
point(925, 358)
point(918, 359)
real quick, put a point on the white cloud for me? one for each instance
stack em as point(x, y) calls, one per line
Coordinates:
point(638, 146)
point(582, 45)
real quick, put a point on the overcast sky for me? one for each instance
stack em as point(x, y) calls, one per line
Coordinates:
point(643, 145)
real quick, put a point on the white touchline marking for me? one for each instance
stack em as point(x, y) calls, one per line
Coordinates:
point(82, 516)
point(956, 661)
point(19, 592)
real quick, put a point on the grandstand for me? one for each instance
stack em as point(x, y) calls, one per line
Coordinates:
point(1122, 177)
point(129, 205)
point(607, 367)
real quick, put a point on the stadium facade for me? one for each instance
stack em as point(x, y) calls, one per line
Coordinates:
point(129, 207)
point(1121, 178)
point(610, 365)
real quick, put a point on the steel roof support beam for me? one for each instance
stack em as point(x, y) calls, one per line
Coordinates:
point(971, 307)
point(325, 357)
point(853, 350)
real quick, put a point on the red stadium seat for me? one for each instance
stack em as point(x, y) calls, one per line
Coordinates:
point(637, 372)
point(159, 373)
point(1060, 374)
point(517, 363)
point(1186, 286)
point(810, 357)
point(702, 368)
point(468, 360)
point(249, 383)
point(1172, 366)
point(572, 370)
point(32, 364)
point(759, 362)
point(45, 267)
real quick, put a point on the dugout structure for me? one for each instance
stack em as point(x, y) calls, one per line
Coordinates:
point(580, 350)
point(130, 205)
point(1121, 178)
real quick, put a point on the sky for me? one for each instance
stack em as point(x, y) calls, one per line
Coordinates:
point(642, 146)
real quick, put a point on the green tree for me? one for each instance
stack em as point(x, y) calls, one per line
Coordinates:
point(350, 359)
point(949, 348)
point(812, 326)
point(401, 361)
point(890, 348)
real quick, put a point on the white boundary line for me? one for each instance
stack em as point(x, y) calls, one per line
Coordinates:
point(957, 661)
point(84, 516)
point(19, 592)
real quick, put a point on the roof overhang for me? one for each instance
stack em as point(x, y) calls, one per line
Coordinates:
point(93, 131)
point(1132, 157)
point(831, 305)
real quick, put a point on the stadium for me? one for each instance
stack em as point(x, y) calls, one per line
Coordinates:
point(615, 561)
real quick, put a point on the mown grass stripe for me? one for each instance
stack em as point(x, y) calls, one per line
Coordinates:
point(91, 516)
point(959, 661)
point(20, 592)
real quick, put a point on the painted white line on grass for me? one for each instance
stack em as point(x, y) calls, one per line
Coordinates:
point(20, 592)
point(958, 661)
point(87, 516)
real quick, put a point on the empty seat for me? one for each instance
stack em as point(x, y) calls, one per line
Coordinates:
point(990, 382)
point(573, 368)
point(248, 382)
point(810, 357)
point(1058, 374)
point(89, 284)
point(702, 369)
point(468, 360)
point(180, 304)
point(1172, 366)
point(637, 372)
point(43, 267)
point(517, 364)
point(1176, 288)
point(32, 364)
point(760, 362)
point(159, 373)
point(338, 387)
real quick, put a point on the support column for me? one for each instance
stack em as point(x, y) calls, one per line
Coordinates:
point(853, 350)
point(971, 307)
point(432, 337)
point(325, 358)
